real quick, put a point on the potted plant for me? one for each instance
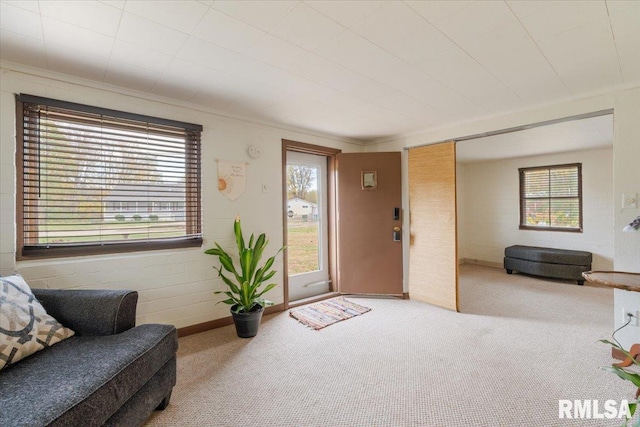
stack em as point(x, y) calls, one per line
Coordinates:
point(627, 375)
point(245, 283)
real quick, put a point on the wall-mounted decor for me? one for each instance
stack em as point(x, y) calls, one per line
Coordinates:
point(255, 152)
point(232, 178)
point(369, 180)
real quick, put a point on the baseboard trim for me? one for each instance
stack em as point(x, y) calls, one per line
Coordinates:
point(219, 323)
point(392, 296)
point(481, 262)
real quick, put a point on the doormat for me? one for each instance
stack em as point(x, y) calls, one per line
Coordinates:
point(325, 313)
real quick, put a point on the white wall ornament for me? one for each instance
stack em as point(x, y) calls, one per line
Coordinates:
point(255, 152)
point(232, 178)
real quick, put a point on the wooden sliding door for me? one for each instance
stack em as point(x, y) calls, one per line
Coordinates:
point(433, 254)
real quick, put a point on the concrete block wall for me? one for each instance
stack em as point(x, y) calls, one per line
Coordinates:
point(175, 286)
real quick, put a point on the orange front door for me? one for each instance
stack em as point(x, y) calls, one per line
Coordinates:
point(369, 201)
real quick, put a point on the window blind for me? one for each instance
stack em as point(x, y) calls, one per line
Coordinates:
point(551, 197)
point(97, 180)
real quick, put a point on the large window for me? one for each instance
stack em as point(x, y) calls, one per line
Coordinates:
point(551, 198)
point(92, 180)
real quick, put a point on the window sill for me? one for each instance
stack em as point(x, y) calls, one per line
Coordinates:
point(36, 253)
point(562, 229)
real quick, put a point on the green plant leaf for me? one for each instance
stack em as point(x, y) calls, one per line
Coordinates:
point(227, 264)
point(261, 242)
point(625, 352)
point(230, 266)
point(246, 261)
point(266, 289)
point(258, 277)
point(258, 249)
point(237, 231)
point(633, 406)
point(231, 298)
point(269, 276)
point(629, 376)
point(269, 263)
point(247, 300)
point(264, 302)
point(230, 284)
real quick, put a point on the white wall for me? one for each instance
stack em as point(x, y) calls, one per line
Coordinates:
point(175, 286)
point(491, 208)
point(626, 171)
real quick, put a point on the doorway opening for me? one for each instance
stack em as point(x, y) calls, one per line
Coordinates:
point(309, 215)
point(490, 197)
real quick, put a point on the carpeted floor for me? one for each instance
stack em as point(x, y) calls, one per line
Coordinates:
point(519, 345)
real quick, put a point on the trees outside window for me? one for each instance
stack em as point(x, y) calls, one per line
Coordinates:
point(92, 180)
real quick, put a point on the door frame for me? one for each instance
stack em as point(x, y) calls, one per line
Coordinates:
point(330, 154)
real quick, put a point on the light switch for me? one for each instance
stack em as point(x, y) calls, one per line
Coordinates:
point(629, 200)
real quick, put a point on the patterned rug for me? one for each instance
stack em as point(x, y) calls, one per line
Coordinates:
point(325, 313)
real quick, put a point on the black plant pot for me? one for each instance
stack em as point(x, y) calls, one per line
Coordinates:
point(247, 324)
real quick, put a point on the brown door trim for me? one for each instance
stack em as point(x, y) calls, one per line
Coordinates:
point(330, 154)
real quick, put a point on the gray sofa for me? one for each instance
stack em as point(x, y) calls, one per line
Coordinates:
point(110, 373)
point(547, 262)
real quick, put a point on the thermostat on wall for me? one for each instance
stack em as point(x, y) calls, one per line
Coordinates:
point(255, 151)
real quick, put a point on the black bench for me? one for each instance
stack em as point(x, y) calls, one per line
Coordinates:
point(547, 262)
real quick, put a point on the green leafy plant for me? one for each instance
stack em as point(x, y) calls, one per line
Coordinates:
point(137, 217)
point(246, 283)
point(627, 375)
point(119, 217)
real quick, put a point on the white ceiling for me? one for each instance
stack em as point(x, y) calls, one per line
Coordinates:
point(360, 69)
point(574, 135)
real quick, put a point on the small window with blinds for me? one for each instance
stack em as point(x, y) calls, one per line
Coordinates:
point(551, 198)
point(93, 180)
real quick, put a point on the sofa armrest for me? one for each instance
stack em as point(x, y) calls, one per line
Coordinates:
point(91, 311)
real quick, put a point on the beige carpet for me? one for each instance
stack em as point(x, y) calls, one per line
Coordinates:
point(519, 346)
